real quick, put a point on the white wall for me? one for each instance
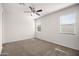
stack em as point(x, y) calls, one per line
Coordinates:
point(17, 25)
point(0, 28)
point(50, 25)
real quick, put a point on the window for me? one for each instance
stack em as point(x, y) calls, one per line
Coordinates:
point(39, 28)
point(67, 23)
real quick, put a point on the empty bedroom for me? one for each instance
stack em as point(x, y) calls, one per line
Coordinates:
point(39, 29)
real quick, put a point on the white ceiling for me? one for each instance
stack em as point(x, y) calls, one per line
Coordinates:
point(46, 7)
point(50, 7)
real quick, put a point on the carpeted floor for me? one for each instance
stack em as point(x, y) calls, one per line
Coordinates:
point(36, 47)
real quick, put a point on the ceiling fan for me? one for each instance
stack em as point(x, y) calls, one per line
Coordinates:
point(32, 10)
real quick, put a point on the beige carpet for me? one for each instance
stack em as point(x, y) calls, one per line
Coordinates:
point(36, 47)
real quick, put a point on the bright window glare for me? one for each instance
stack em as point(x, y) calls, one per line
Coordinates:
point(67, 19)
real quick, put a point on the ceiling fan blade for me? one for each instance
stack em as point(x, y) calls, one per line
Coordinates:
point(39, 10)
point(27, 11)
point(37, 14)
point(23, 4)
point(30, 7)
